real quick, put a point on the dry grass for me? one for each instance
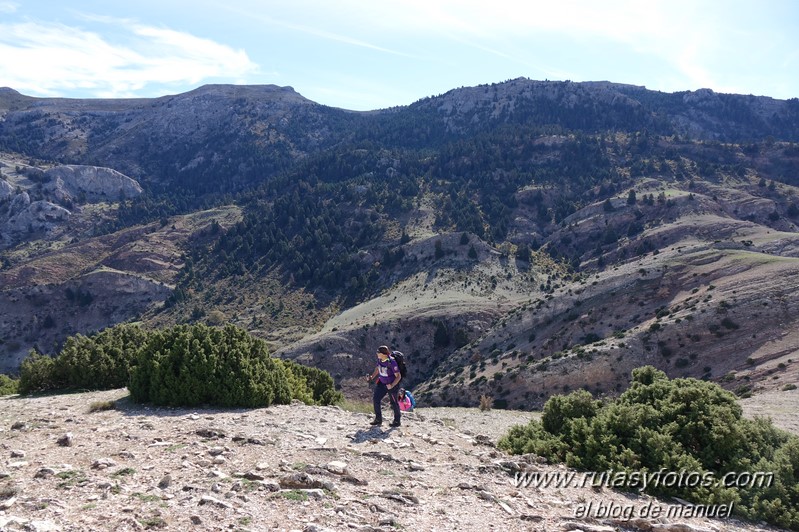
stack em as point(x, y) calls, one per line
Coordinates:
point(360, 407)
point(9, 490)
point(486, 402)
point(101, 406)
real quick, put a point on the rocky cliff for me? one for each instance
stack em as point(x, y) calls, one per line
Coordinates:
point(90, 184)
point(49, 199)
point(6, 190)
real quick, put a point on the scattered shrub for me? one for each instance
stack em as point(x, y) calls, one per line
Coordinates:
point(98, 362)
point(8, 385)
point(441, 336)
point(729, 324)
point(184, 365)
point(460, 338)
point(37, 374)
point(102, 361)
point(562, 409)
point(679, 424)
point(191, 365)
point(312, 385)
point(216, 317)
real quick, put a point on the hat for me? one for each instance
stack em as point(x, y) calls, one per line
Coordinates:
point(383, 349)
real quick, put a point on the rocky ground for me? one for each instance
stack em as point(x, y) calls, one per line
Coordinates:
point(777, 405)
point(69, 464)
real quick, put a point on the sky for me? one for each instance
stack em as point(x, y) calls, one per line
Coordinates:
point(374, 54)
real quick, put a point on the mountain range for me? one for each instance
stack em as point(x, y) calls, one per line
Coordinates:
point(514, 240)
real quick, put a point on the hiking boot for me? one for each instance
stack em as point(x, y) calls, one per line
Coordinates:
point(395, 424)
point(376, 422)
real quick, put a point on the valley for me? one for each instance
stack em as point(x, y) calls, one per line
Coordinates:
point(514, 240)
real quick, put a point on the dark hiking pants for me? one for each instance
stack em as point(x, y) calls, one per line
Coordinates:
point(380, 391)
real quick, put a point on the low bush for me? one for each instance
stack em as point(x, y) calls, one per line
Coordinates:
point(102, 361)
point(676, 425)
point(8, 385)
point(186, 365)
point(37, 374)
point(190, 365)
point(312, 385)
point(98, 362)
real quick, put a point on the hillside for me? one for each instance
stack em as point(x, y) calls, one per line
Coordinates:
point(517, 239)
point(287, 467)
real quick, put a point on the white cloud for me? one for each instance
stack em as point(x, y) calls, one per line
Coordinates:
point(47, 59)
point(478, 18)
point(332, 36)
point(423, 46)
point(200, 58)
point(682, 34)
point(307, 29)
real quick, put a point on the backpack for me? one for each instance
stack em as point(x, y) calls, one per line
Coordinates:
point(409, 395)
point(400, 358)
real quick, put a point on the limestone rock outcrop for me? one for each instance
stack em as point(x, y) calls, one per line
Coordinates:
point(90, 183)
point(6, 190)
point(23, 216)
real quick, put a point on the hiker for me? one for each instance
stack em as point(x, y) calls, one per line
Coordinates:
point(388, 374)
point(406, 401)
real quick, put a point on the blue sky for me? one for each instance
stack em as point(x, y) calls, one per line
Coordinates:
point(362, 55)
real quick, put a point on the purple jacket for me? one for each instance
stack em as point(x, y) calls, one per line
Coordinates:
point(387, 371)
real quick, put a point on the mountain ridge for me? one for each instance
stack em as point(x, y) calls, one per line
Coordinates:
point(479, 216)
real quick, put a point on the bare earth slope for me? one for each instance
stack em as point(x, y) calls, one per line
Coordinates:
point(285, 468)
point(94, 283)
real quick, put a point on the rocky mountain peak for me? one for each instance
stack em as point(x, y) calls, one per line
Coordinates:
point(240, 91)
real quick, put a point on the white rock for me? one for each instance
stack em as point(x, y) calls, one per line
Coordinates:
point(6, 190)
point(337, 467)
point(217, 474)
point(415, 466)
point(216, 451)
point(103, 463)
point(206, 499)
point(93, 183)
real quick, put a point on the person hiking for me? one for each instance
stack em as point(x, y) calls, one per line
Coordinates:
point(405, 399)
point(388, 375)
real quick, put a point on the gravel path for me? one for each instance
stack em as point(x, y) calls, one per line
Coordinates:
point(68, 465)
